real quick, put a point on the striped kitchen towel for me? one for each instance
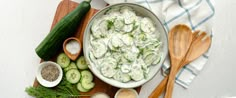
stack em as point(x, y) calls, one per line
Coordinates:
point(197, 14)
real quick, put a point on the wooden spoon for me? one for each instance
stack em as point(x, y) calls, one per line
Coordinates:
point(180, 38)
point(72, 56)
point(162, 86)
point(199, 46)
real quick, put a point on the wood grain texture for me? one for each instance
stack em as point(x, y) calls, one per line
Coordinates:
point(197, 48)
point(180, 38)
point(63, 9)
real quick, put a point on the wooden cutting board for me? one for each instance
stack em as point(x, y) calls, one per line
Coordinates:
point(63, 9)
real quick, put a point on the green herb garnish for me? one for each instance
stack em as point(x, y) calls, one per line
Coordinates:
point(109, 24)
point(62, 90)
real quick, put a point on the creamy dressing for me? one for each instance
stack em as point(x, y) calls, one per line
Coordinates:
point(124, 45)
point(126, 93)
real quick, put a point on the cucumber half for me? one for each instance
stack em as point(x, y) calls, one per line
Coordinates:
point(81, 63)
point(73, 76)
point(63, 60)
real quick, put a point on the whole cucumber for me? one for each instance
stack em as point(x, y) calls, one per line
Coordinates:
point(65, 28)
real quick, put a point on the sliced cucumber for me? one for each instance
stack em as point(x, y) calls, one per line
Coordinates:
point(153, 44)
point(130, 56)
point(129, 17)
point(158, 59)
point(128, 28)
point(119, 24)
point(149, 59)
point(96, 32)
point(73, 76)
point(147, 25)
point(81, 89)
point(124, 61)
point(136, 73)
point(146, 52)
point(142, 37)
point(71, 66)
point(107, 70)
point(125, 68)
point(87, 85)
point(125, 8)
point(92, 58)
point(104, 24)
point(86, 76)
point(63, 60)
point(128, 14)
point(110, 46)
point(110, 61)
point(99, 49)
point(81, 63)
point(127, 39)
point(123, 77)
point(117, 55)
point(99, 28)
point(116, 42)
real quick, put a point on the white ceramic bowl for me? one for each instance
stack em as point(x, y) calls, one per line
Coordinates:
point(44, 82)
point(141, 11)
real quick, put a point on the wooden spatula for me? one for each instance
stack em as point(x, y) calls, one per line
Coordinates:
point(162, 86)
point(199, 46)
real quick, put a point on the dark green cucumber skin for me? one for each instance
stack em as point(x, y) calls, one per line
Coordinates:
point(65, 28)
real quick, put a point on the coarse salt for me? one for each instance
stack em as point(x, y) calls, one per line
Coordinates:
point(73, 47)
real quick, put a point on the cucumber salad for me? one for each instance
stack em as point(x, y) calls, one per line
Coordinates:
point(123, 45)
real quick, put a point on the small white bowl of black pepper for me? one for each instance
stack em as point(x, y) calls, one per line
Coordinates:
point(49, 74)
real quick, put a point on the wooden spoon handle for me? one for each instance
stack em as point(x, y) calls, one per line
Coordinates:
point(162, 86)
point(170, 83)
point(159, 89)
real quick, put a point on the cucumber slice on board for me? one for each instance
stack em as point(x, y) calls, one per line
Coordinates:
point(86, 76)
point(63, 60)
point(71, 66)
point(81, 89)
point(81, 63)
point(87, 85)
point(73, 76)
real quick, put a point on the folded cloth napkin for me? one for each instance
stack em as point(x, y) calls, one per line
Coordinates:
point(197, 14)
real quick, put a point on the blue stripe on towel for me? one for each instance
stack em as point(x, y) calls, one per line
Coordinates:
point(181, 70)
point(166, 26)
point(207, 18)
point(148, 5)
point(205, 56)
point(182, 82)
point(187, 11)
point(188, 69)
point(182, 13)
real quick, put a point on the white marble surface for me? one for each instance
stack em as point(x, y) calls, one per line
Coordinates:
point(24, 23)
